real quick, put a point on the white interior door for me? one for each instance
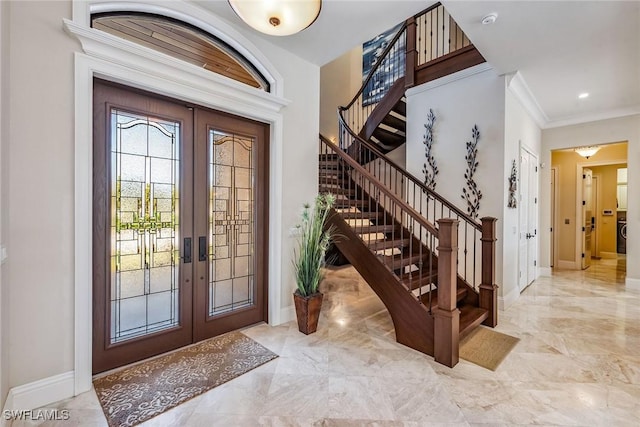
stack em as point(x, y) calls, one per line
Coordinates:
point(587, 216)
point(528, 211)
point(553, 217)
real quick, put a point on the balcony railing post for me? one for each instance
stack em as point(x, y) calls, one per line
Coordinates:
point(411, 60)
point(488, 289)
point(447, 316)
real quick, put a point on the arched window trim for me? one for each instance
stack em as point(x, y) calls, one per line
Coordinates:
point(193, 15)
point(213, 40)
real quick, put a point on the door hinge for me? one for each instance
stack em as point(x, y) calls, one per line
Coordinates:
point(584, 203)
point(536, 169)
point(582, 255)
point(583, 229)
point(584, 176)
point(551, 230)
point(535, 200)
point(535, 262)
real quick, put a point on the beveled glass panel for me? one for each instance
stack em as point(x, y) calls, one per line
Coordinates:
point(145, 227)
point(231, 226)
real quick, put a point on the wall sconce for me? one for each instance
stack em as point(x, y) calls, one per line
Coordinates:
point(587, 152)
point(277, 17)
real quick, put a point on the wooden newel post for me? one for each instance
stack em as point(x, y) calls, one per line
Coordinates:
point(488, 289)
point(447, 316)
point(411, 52)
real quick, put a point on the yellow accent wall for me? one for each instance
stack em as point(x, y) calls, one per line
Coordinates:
point(566, 162)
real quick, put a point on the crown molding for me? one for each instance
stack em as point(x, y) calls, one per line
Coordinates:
point(519, 88)
point(604, 115)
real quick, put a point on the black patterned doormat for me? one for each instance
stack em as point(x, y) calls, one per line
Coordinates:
point(142, 391)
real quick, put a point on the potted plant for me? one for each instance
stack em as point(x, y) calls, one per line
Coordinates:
point(309, 258)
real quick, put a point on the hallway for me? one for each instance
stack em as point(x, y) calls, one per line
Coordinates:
point(577, 363)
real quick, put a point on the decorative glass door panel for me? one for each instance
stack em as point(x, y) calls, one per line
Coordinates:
point(179, 224)
point(231, 224)
point(145, 160)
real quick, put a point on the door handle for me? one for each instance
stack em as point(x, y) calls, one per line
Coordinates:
point(202, 248)
point(187, 250)
point(529, 236)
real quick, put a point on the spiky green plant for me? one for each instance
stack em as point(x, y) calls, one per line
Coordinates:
point(313, 242)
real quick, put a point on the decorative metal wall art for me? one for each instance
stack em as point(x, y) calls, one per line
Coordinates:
point(513, 186)
point(430, 169)
point(472, 194)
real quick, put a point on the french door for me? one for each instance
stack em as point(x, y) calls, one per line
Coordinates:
point(179, 224)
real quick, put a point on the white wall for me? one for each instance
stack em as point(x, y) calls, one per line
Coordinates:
point(470, 97)
point(41, 197)
point(519, 129)
point(340, 80)
point(593, 133)
point(4, 120)
point(300, 172)
point(40, 210)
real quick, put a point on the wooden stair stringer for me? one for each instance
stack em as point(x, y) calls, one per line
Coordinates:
point(413, 324)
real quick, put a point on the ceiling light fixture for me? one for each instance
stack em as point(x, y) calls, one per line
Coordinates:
point(277, 17)
point(583, 95)
point(489, 19)
point(587, 152)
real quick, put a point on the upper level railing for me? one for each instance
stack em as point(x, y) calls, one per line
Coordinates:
point(428, 36)
point(433, 33)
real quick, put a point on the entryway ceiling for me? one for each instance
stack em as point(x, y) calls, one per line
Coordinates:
point(561, 48)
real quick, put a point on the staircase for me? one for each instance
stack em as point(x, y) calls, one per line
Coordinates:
point(430, 264)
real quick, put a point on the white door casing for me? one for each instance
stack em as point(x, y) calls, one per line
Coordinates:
point(587, 217)
point(528, 213)
point(111, 58)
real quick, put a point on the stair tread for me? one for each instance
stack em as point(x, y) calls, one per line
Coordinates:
point(460, 294)
point(415, 279)
point(401, 260)
point(395, 122)
point(372, 228)
point(361, 215)
point(470, 318)
point(400, 108)
point(379, 244)
point(389, 138)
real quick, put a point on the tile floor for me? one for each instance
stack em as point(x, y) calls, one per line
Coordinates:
point(577, 364)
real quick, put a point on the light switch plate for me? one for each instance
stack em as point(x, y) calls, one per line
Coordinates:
point(3, 254)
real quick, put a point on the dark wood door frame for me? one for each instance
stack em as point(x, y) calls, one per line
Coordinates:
point(106, 355)
point(206, 121)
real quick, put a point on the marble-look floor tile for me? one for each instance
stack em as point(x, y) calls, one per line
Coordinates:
point(577, 364)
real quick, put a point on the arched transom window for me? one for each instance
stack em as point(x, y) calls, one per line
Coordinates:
point(182, 41)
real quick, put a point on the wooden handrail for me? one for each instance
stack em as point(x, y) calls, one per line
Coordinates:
point(385, 53)
point(409, 176)
point(415, 215)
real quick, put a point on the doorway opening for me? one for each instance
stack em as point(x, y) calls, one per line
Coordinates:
point(180, 218)
point(589, 207)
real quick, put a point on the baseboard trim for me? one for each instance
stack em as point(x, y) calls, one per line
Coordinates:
point(506, 301)
point(544, 271)
point(632, 284)
point(608, 255)
point(40, 393)
point(287, 314)
point(567, 265)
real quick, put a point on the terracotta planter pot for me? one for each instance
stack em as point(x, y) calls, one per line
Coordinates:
point(308, 311)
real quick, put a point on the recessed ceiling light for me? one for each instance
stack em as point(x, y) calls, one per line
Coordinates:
point(489, 19)
point(583, 95)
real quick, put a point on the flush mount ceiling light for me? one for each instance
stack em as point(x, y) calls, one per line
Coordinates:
point(587, 152)
point(277, 17)
point(489, 19)
point(583, 95)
